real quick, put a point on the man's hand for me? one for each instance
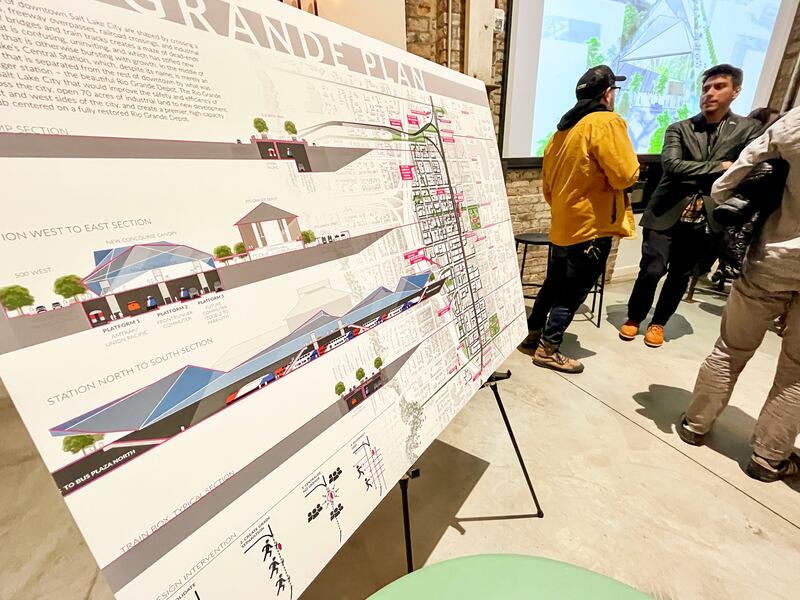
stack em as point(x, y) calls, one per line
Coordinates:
point(726, 164)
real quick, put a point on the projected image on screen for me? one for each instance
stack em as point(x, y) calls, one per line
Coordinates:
point(662, 46)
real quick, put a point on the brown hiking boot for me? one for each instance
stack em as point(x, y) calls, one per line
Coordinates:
point(629, 330)
point(553, 359)
point(530, 343)
point(654, 336)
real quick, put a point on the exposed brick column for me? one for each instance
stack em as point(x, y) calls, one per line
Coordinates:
point(421, 28)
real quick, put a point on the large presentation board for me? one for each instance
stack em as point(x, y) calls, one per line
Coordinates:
point(252, 264)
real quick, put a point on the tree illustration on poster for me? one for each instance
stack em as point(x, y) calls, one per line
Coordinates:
point(69, 286)
point(360, 374)
point(340, 388)
point(223, 253)
point(15, 297)
point(260, 126)
point(378, 362)
point(78, 443)
point(308, 236)
point(239, 248)
point(290, 128)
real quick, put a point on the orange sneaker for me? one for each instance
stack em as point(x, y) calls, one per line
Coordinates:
point(654, 336)
point(629, 330)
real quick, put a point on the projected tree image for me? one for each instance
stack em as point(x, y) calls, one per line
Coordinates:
point(657, 141)
point(661, 46)
point(593, 55)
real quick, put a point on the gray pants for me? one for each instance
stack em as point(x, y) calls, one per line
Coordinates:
point(754, 304)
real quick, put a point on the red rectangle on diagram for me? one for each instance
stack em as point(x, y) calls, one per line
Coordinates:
point(412, 120)
point(396, 123)
point(406, 172)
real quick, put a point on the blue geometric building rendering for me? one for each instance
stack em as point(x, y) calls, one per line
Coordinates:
point(135, 266)
point(142, 408)
point(191, 394)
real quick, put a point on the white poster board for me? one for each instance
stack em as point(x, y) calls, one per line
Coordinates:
point(252, 264)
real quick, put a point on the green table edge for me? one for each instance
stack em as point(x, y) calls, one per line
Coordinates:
point(519, 577)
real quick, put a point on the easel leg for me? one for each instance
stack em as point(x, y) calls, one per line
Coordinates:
point(496, 393)
point(412, 474)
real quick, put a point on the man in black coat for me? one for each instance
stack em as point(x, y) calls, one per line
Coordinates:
point(678, 223)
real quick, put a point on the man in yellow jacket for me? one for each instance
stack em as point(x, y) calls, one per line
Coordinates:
point(588, 164)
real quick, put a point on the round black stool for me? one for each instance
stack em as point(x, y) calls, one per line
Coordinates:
point(535, 238)
point(531, 238)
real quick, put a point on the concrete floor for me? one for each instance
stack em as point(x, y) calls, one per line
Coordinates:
point(621, 494)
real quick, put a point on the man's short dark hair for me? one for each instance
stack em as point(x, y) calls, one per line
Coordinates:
point(735, 73)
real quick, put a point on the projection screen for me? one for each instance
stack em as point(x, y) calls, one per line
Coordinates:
point(662, 46)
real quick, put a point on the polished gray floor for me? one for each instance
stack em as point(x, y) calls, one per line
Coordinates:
point(621, 494)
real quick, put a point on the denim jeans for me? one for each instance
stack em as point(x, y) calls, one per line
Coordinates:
point(572, 272)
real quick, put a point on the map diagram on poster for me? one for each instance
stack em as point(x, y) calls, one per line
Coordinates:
point(252, 264)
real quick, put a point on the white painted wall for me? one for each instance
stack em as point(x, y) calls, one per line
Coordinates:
point(384, 20)
point(628, 256)
point(480, 39)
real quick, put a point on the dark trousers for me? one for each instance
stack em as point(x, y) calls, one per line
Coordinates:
point(675, 253)
point(572, 272)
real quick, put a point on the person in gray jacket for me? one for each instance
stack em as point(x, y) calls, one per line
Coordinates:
point(678, 219)
point(770, 281)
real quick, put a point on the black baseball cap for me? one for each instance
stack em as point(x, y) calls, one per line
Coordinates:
point(595, 81)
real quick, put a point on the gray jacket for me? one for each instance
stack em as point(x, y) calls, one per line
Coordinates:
point(690, 167)
point(775, 254)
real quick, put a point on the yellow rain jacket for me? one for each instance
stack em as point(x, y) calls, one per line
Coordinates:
point(586, 170)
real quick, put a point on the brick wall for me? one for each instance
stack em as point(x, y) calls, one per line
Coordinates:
point(529, 212)
point(421, 28)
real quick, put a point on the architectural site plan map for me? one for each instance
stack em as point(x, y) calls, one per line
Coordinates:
point(252, 264)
